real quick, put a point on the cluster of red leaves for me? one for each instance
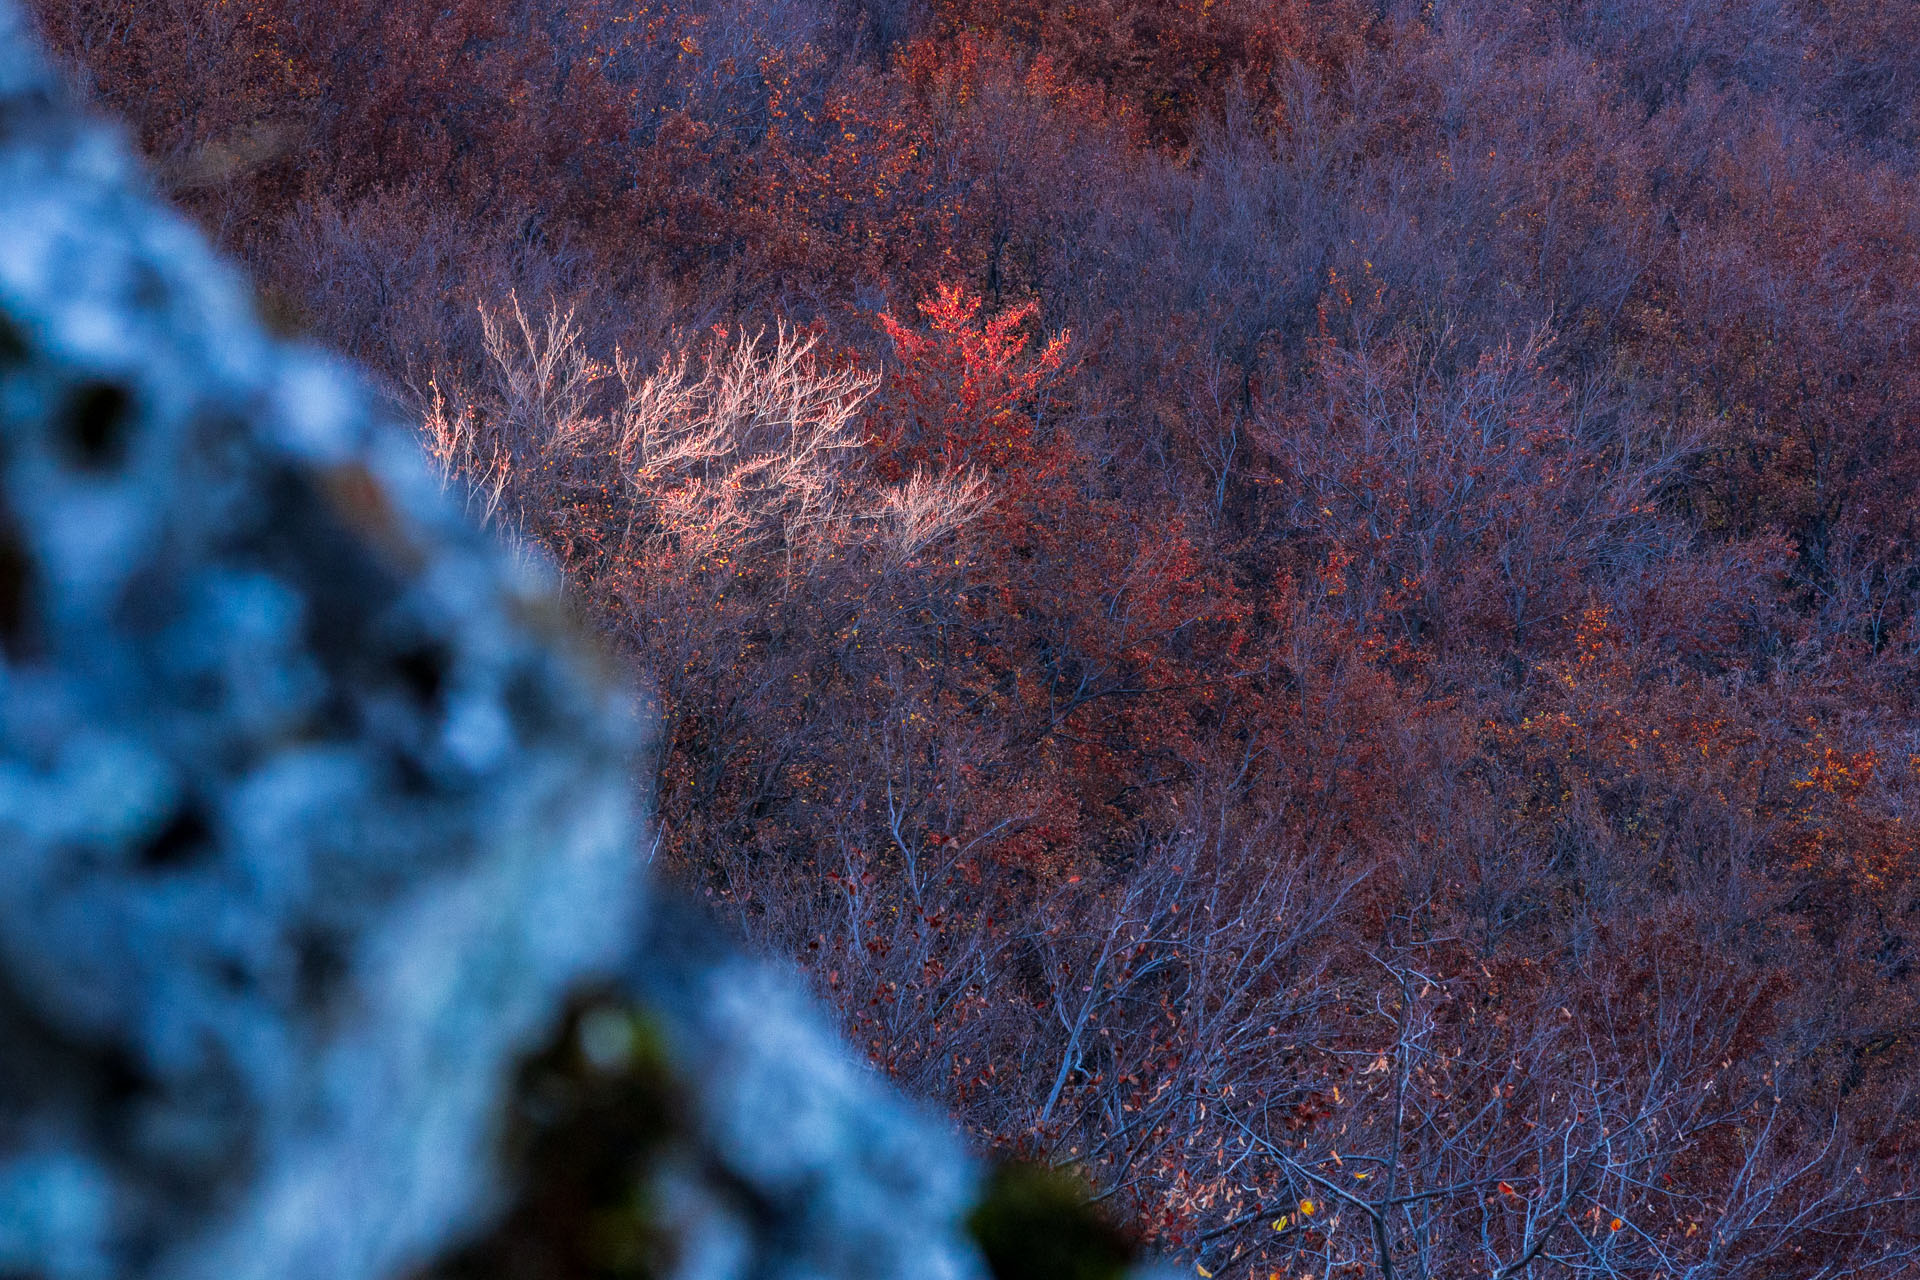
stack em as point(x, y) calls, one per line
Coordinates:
point(1346, 663)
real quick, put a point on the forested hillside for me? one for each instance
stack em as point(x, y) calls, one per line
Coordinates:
point(1311, 608)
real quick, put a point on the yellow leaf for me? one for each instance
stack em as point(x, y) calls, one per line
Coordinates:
point(1204, 1273)
point(1306, 1208)
point(1280, 1223)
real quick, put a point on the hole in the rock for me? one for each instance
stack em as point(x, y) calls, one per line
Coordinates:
point(16, 588)
point(122, 1078)
point(96, 422)
point(423, 670)
point(13, 343)
point(186, 836)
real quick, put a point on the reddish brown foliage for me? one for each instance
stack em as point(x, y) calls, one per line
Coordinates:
point(1292, 603)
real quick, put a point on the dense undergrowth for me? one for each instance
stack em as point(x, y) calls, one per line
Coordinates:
point(1308, 607)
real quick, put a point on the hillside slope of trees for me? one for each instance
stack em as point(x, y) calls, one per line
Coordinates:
point(1309, 607)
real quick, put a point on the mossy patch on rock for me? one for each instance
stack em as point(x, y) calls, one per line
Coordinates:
point(590, 1116)
point(1038, 1223)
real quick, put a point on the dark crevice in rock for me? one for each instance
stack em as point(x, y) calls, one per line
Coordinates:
point(14, 349)
point(95, 425)
point(185, 838)
point(16, 588)
point(423, 669)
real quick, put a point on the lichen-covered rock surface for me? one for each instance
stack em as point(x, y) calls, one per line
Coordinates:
point(323, 949)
